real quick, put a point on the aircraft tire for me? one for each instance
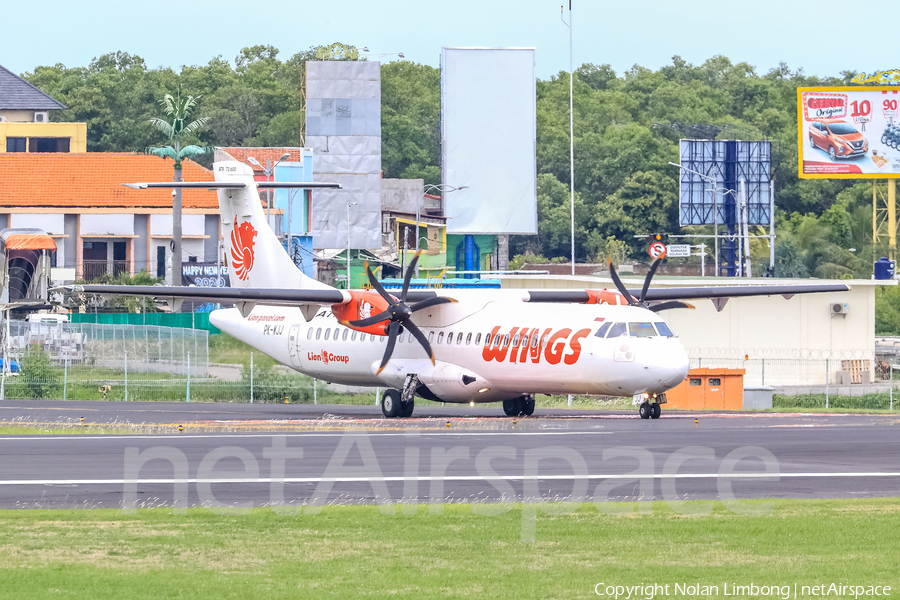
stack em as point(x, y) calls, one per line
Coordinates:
point(528, 406)
point(406, 410)
point(645, 410)
point(390, 403)
point(655, 410)
point(512, 407)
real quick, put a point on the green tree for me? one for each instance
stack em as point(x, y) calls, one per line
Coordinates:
point(181, 129)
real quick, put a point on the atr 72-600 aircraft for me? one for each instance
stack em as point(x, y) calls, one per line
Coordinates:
point(443, 345)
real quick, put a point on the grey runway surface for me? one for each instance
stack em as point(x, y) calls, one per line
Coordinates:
point(355, 456)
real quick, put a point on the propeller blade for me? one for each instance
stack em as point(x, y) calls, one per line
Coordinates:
point(392, 340)
point(618, 282)
point(408, 277)
point(431, 302)
point(417, 333)
point(377, 285)
point(382, 316)
point(647, 279)
point(671, 304)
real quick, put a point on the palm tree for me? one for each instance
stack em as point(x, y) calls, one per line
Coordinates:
point(179, 110)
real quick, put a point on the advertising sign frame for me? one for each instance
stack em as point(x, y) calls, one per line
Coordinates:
point(860, 107)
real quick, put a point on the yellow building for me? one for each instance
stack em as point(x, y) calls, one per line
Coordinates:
point(25, 120)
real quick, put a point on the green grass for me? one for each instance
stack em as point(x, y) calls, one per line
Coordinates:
point(355, 551)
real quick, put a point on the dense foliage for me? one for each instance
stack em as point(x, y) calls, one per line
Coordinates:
point(627, 127)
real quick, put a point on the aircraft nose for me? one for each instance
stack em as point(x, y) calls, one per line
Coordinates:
point(672, 366)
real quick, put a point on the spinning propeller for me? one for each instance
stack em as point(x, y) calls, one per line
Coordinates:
point(398, 313)
point(642, 302)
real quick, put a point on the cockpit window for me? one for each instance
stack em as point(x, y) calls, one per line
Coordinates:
point(616, 330)
point(664, 330)
point(641, 330)
point(602, 331)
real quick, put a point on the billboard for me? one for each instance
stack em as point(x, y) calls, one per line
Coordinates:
point(343, 128)
point(488, 145)
point(725, 163)
point(848, 132)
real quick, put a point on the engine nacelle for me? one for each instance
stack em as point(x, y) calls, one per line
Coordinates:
point(446, 381)
point(363, 304)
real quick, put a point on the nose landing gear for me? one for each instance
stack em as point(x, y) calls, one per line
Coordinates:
point(650, 406)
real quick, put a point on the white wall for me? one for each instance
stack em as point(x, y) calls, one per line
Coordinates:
point(106, 224)
point(161, 225)
point(53, 224)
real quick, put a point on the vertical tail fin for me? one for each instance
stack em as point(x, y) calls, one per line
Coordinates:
point(255, 257)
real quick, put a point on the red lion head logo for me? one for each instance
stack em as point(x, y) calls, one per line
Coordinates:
point(242, 242)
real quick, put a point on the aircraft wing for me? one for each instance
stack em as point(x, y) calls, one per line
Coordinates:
point(244, 298)
point(692, 293)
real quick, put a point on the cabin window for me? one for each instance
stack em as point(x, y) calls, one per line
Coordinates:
point(327, 334)
point(487, 339)
point(715, 381)
point(515, 340)
point(459, 338)
point(430, 337)
point(534, 339)
point(337, 332)
point(344, 337)
point(362, 337)
point(544, 341)
point(603, 329)
point(353, 336)
point(616, 330)
point(450, 338)
point(641, 330)
point(441, 337)
point(309, 333)
point(664, 330)
point(478, 339)
point(318, 332)
point(506, 340)
point(469, 339)
point(696, 381)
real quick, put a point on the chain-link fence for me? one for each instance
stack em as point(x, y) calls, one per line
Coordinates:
point(53, 360)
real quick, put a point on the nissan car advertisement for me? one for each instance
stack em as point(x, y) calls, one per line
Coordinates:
point(849, 132)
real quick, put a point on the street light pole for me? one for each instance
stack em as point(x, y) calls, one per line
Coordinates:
point(268, 170)
point(712, 181)
point(439, 187)
point(349, 204)
point(571, 131)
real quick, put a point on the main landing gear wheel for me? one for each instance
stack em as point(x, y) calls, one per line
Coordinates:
point(406, 408)
point(512, 407)
point(645, 410)
point(655, 410)
point(528, 406)
point(390, 404)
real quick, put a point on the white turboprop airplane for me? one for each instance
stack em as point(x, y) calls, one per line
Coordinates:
point(445, 345)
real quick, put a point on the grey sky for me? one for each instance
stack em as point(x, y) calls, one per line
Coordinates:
point(648, 33)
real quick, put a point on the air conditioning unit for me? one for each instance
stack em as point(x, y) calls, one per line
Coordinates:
point(839, 309)
point(42, 116)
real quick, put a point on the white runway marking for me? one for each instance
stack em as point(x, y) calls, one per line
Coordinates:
point(426, 478)
point(410, 433)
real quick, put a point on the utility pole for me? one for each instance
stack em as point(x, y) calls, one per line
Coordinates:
point(571, 131)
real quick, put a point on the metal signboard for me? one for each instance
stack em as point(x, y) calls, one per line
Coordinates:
point(678, 250)
point(657, 250)
point(710, 181)
point(848, 132)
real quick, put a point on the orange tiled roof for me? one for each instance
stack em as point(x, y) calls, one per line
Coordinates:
point(263, 154)
point(95, 180)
